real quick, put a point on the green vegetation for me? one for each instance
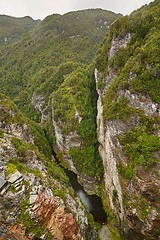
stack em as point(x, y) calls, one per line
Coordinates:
point(136, 69)
point(49, 68)
point(40, 140)
point(141, 57)
point(31, 226)
point(11, 168)
point(56, 172)
point(114, 196)
point(12, 29)
point(48, 73)
point(1, 133)
point(74, 110)
point(130, 84)
point(53, 42)
point(144, 208)
point(119, 109)
point(139, 147)
point(14, 164)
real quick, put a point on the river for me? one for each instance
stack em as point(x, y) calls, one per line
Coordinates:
point(93, 202)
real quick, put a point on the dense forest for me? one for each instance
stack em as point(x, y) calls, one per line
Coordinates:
point(83, 88)
point(54, 61)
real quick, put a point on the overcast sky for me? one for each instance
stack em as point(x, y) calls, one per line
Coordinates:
point(39, 9)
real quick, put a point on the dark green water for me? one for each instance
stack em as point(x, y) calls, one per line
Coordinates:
point(93, 202)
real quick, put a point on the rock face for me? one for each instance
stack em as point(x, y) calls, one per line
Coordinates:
point(28, 193)
point(142, 193)
point(64, 144)
point(119, 43)
point(40, 105)
point(51, 212)
point(106, 149)
point(17, 232)
point(142, 102)
point(127, 126)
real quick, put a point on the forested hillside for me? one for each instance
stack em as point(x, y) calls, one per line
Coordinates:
point(45, 63)
point(32, 196)
point(48, 72)
point(128, 83)
point(57, 39)
point(12, 29)
point(87, 84)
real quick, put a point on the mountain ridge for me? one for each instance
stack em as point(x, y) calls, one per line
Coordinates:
point(98, 106)
point(128, 81)
point(12, 28)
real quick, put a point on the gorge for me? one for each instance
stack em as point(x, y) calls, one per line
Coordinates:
point(79, 126)
point(93, 202)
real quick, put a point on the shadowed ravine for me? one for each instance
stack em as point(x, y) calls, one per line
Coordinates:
point(93, 202)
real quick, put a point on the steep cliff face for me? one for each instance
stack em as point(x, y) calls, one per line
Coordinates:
point(128, 121)
point(51, 83)
point(36, 199)
point(107, 152)
point(73, 118)
point(48, 76)
point(64, 143)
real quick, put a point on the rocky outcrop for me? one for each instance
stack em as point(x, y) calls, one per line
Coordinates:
point(133, 198)
point(40, 105)
point(51, 213)
point(27, 189)
point(14, 233)
point(104, 233)
point(45, 208)
point(89, 183)
point(138, 101)
point(117, 43)
point(64, 143)
point(140, 213)
point(106, 149)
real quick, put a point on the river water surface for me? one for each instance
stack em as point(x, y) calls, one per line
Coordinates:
point(93, 202)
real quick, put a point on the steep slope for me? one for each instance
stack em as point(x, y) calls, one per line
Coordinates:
point(35, 71)
point(56, 40)
point(48, 76)
point(33, 200)
point(128, 84)
point(12, 29)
